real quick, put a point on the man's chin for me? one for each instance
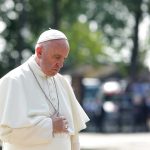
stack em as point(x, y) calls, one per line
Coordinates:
point(52, 73)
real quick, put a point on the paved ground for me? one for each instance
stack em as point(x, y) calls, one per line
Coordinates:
point(136, 141)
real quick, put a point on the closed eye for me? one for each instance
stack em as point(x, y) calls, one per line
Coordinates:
point(59, 57)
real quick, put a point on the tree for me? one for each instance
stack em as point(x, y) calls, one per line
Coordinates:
point(86, 46)
point(26, 19)
point(119, 21)
point(137, 12)
point(22, 27)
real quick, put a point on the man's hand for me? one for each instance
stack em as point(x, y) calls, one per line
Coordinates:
point(60, 124)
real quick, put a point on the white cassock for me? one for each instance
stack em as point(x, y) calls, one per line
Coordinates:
point(25, 112)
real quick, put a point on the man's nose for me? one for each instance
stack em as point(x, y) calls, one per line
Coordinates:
point(60, 63)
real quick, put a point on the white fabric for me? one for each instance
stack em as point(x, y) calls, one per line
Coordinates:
point(51, 34)
point(25, 122)
point(57, 143)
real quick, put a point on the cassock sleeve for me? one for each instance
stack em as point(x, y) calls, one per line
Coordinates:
point(16, 126)
point(79, 116)
point(39, 134)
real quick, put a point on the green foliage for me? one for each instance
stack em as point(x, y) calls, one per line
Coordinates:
point(86, 46)
point(32, 17)
point(70, 9)
point(131, 5)
point(40, 15)
point(114, 17)
point(26, 19)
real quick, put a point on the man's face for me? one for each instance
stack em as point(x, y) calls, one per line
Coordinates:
point(53, 55)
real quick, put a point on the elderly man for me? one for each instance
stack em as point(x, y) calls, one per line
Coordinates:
point(38, 109)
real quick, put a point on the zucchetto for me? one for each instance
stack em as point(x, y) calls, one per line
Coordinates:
point(51, 34)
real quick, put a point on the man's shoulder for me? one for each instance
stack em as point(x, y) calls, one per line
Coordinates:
point(14, 73)
point(60, 77)
point(63, 79)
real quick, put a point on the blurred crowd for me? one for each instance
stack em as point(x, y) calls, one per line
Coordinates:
point(115, 106)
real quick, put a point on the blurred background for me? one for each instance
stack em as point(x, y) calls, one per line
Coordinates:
point(109, 61)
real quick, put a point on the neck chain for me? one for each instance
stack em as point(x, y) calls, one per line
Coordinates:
point(47, 98)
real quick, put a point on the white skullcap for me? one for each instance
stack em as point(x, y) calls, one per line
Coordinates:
point(51, 34)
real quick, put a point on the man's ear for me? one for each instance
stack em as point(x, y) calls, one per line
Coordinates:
point(38, 51)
